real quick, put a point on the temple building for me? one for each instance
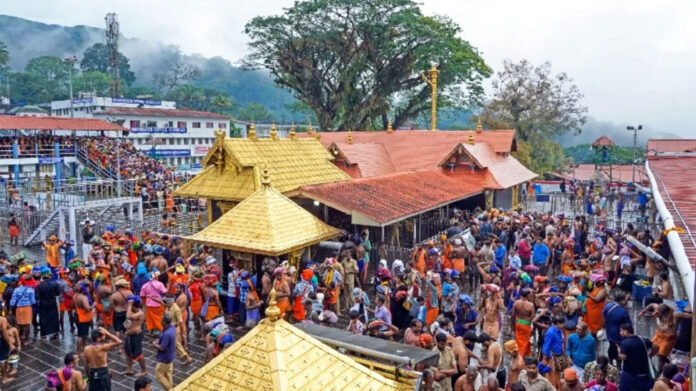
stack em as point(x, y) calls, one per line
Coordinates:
point(232, 169)
point(275, 355)
point(266, 223)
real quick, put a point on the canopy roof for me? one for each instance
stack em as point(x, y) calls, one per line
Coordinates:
point(12, 122)
point(603, 141)
point(275, 355)
point(232, 167)
point(265, 223)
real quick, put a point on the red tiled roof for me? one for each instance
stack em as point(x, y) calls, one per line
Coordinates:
point(371, 159)
point(674, 177)
point(655, 146)
point(390, 198)
point(8, 122)
point(619, 173)
point(163, 112)
point(505, 170)
point(603, 141)
point(439, 141)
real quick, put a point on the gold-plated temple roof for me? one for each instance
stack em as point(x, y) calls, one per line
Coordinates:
point(267, 223)
point(276, 356)
point(232, 166)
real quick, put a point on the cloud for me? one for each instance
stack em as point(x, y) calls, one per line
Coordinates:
point(633, 60)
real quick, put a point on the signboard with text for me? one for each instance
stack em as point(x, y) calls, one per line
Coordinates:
point(137, 101)
point(169, 153)
point(201, 149)
point(50, 160)
point(158, 130)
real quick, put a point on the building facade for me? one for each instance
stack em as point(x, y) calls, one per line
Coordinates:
point(180, 138)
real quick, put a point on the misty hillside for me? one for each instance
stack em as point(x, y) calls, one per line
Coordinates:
point(594, 129)
point(27, 39)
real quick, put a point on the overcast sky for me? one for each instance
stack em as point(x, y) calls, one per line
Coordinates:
point(635, 61)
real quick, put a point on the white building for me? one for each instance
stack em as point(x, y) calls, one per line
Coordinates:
point(180, 138)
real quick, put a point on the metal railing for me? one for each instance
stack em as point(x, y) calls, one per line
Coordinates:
point(37, 151)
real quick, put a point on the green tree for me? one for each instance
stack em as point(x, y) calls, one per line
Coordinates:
point(52, 76)
point(358, 61)
point(187, 96)
point(96, 58)
point(534, 102)
point(542, 156)
point(91, 81)
point(583, 154)
point(255, 112)
point(29, 88)
point(222, 103)
point(4, 54)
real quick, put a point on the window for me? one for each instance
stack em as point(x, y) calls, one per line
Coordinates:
point(209, 125)
point(134, 124)
point(178, 160)
point(181, 125)
point(170, 124)
point(151, 124)
point(186, 141)
point(200, 141)
point(195, 125)
point(171, 141)
point(222, 125)
point(178, 141)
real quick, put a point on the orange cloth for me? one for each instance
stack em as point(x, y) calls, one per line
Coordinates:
point(283, 305)
point(153, 318)
point(213, 312)
point(664, 342)
point(196, 306)
point(84, 316)
point(446, 261)
point(593, 316)
point(176, 279)
point(419, 261)
point(107, 317)
point(431, 314)
point(169, 204)
point(24, 315)
point(523, 336)
point(459, 264)
point(52, 254)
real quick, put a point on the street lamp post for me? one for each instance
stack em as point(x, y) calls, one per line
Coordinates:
point(635, 141)
point(71, 61)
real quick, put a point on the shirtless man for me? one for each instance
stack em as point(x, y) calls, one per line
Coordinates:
point(8, 343)
point(160, 263)
point(492, 304)
point(494, 359)
point(119, 302)
point(665, 337)
point(85, 315)
point(134, 336)
point(462, 353)
point(95, 357)
point(491, 385)
point(75, 381)
point(182, 301)
point(516, 361)
point(522, 315)
point(471, 381)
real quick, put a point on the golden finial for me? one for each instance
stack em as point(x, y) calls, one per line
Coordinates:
point(471, 138)
point(265, 179)
point(274, 132)
point(479, 126)
point(219, 135)
point(272, 311)
point(317, 136)
point(310, 130)
point(292, 131)
point(350, 138)
point(252, 131)
point(389, 127)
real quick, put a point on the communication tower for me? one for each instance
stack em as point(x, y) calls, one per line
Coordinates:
point(112, 32)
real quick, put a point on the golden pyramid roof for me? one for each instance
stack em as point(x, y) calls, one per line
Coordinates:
point(231, 167)
point(276, 356)
point(267, 223)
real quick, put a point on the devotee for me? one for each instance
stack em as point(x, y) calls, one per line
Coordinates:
point(96, 359)
point(134, 335)
point(22, 301)
point(46, 293)
point(581, 348)
point(166, 352)
point(151, 293)
point(635, 373)
point(174, 312)
point(446, 364)
point(66, 378)
point(530, 379)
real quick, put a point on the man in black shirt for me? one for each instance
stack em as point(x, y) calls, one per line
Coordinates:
point(635, 374)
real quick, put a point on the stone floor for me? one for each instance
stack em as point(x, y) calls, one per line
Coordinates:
point(41, 357)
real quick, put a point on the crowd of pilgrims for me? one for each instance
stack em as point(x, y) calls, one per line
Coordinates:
point(560, 288)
